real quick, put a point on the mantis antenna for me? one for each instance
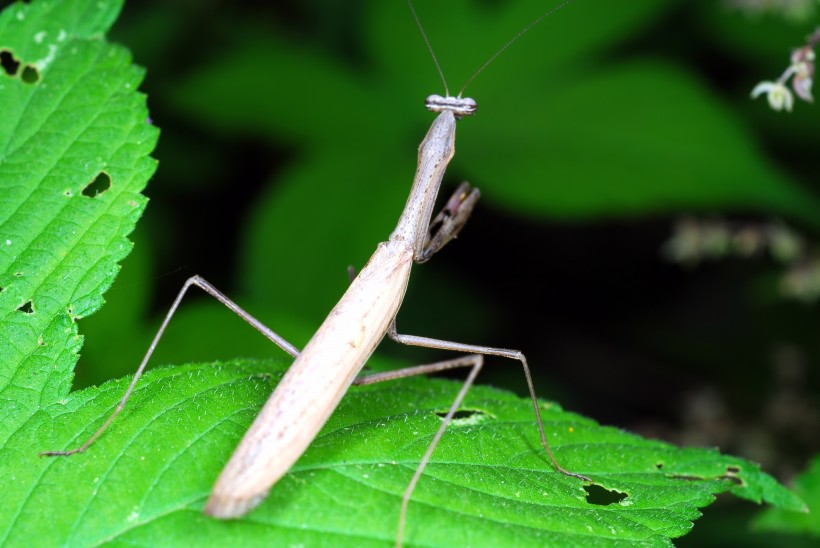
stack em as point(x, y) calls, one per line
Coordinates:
point(493, 57)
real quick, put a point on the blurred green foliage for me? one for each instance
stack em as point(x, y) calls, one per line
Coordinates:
point(808, 486)
point(289, 137)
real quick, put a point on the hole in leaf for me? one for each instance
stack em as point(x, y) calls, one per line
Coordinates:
point(465, 414)
point(26, 308)
point(18, 274)
point(465, 417)
point(732, 474)
point(68, 194)
point(30, 74)
point(100, 184)
point(602, 496)
point(659, 466)
point(9, 63)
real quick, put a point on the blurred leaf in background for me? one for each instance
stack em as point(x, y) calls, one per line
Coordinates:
point(808, 486)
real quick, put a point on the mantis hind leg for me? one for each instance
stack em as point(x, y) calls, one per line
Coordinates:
point(208, 288)
point(475, 360)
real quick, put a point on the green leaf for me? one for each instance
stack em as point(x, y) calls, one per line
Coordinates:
point(74, 145)
point(806, 486)
point(489, 484)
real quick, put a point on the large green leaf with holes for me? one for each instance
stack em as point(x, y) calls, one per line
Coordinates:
point(489, 484)
point(75, 140)
point(74, 144)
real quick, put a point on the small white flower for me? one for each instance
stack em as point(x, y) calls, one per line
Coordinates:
point(778, 95)
point(801, 83)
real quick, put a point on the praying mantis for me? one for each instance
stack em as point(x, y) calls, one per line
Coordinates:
point(334, 357)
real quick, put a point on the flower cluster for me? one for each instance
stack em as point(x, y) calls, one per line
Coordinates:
point(698, 240)
point(801, 72)
point(794, 10)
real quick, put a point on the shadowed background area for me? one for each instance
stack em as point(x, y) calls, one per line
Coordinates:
point(288, 145)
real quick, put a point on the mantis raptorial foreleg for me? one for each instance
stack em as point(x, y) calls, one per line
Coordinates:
point(449, 222)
